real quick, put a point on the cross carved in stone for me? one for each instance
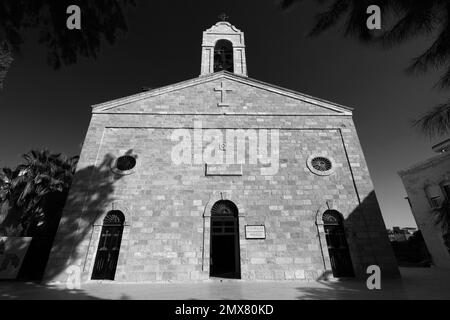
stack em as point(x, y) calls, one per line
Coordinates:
point(223, 95)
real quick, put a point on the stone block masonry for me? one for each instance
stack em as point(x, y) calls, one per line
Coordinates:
point(167, 207)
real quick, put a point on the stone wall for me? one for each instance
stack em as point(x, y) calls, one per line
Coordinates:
point(167, 206)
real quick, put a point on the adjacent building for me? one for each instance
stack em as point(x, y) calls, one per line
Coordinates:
point(428, 187)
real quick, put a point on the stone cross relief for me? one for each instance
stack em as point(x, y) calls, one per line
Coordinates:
point(223, 95)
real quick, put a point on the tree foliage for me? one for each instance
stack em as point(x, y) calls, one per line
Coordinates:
point(31, 185)
point(436, 121)
point(402, 20)
point(101, 20)
point(442, 219)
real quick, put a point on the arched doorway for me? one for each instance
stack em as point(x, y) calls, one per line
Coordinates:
point(224, 251)
point(109, 246)
point(223, 56)
point(338, 250)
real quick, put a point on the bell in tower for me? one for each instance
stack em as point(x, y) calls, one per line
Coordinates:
point(223, 56)
point(223, 49)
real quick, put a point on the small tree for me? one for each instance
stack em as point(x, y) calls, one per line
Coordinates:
point(29, 188)
point(442, 216)
point(4, 204)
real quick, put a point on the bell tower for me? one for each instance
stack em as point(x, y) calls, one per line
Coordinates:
point(223, 48)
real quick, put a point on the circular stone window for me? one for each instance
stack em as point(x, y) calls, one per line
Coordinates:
point(320, 165)
point(124, 164)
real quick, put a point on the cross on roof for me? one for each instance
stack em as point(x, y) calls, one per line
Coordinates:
point(223, 17)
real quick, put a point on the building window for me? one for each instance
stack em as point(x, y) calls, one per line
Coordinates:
point(435, 201)
point(109, 246)
point(434, 195)
point(320, 165)
point(124, 164)
point(446, 189)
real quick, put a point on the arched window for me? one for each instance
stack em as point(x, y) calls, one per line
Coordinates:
point(338, 249)
point(109, 246)
point(331, 217)
point(223, 56)
point(224, 208)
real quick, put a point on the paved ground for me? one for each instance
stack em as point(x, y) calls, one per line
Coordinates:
point(416, 283)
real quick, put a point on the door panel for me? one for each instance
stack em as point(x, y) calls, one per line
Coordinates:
point(224, 250)
point(338, 251)
point(107, 253)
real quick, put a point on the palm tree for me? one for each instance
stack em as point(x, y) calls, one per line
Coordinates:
point(3, 192)
point(33, 184)
point(402, 21)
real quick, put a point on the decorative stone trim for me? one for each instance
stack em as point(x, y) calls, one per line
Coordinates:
point(115, 205)
point(222, 195)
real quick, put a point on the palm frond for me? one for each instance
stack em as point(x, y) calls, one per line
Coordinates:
point(436, 121)
point(401, 20)
point(419, 19)
point(444, 81)
point(436, 56)
point(329, 18)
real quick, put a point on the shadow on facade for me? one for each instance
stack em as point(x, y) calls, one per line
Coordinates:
point(368, 239)
point(90, 194)
point(368, 243)
point(35, 260)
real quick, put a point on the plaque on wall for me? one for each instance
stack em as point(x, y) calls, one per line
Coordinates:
point(255, 232)
point(223, 169)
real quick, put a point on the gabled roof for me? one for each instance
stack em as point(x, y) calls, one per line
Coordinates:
point(336, 108)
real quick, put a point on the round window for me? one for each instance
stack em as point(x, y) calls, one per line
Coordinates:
point(125, 163)
point(320, 165)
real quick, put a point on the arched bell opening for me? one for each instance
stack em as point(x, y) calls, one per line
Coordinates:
point(223, 56)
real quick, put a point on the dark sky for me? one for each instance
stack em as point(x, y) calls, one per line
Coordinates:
point(42, 107)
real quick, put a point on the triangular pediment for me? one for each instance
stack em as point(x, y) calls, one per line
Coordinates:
point(222, 92)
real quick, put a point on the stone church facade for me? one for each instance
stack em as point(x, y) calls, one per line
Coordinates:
point(220, 176)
